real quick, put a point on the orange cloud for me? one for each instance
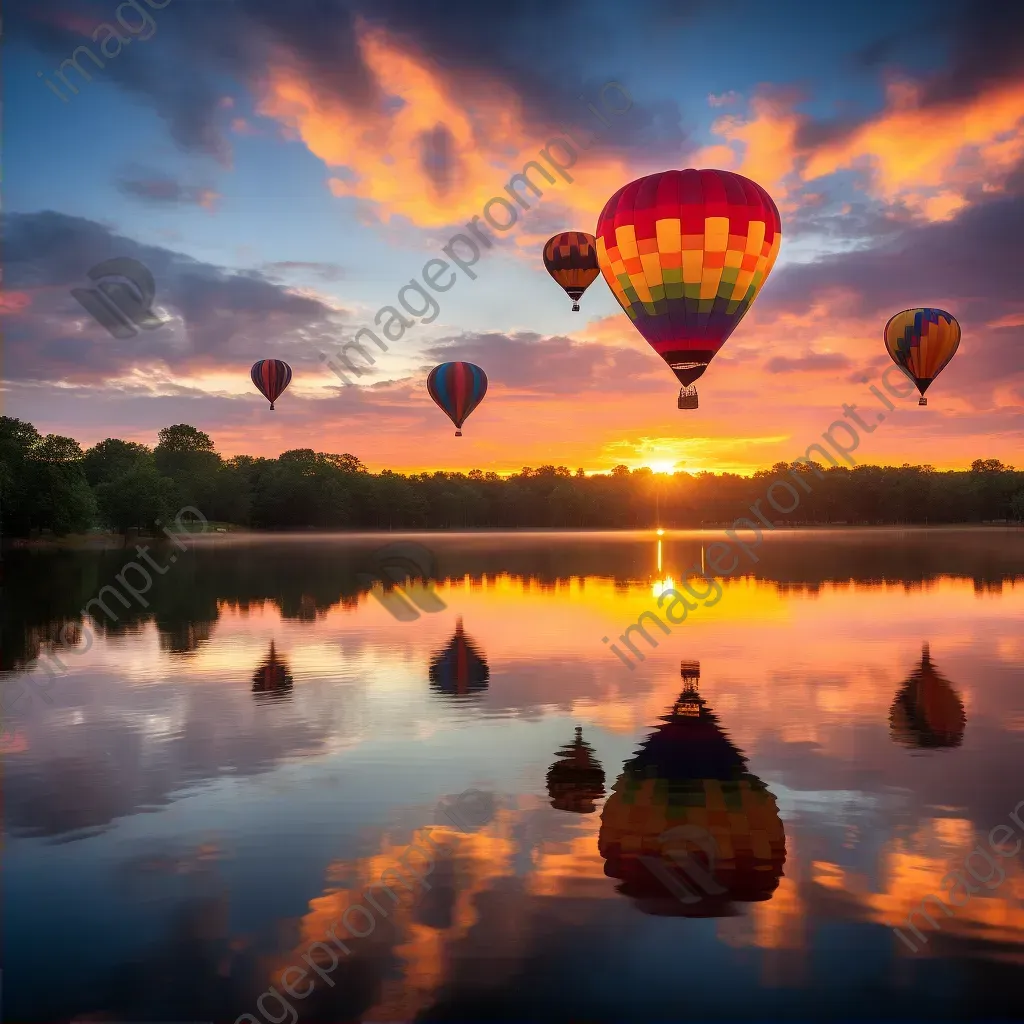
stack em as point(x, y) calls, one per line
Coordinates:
point(929, 158)
point(766, 141)
point(473, 129)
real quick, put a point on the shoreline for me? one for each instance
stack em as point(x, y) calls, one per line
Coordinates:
point(117, 542)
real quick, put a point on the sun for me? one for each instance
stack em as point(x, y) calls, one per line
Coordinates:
point(662, 466)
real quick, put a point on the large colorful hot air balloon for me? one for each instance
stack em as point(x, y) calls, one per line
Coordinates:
point(685, 254)
point(571, 259)
point(927, 712)
point(457, 389)
point(271, 377)
point(576, 779)
point(921, 342)
point(688, 830)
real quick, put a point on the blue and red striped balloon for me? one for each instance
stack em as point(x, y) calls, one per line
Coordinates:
point(457, 388)
point(271, 377)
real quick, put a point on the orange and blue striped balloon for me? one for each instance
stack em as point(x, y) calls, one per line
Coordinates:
point(271, 377)
point(457, 389)
point(921, 341)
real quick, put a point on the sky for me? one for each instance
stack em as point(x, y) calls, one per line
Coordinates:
point(283, 170)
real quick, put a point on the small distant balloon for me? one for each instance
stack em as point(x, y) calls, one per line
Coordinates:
point(457, 389)
point(571, 259)
point(271, 377)
point(921, 342)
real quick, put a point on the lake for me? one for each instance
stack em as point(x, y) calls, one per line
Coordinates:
point(272, 788)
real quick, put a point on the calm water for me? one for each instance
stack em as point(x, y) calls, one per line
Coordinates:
point(225, 775)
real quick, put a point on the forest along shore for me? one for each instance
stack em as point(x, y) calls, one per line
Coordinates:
point(53, 486)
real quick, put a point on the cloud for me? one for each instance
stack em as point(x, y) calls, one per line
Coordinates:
point(516, 49)
point(433, 147)
point(166, 191)
point(325, 271)
point(216, 319)
point(928, 159)
point(813, 361)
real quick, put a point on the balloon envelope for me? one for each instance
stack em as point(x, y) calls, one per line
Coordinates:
point(271, 377)
point(457, 389)
point(571, 259)
point(685, 253)
point(921, 342)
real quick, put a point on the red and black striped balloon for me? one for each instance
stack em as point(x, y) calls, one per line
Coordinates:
point(271, 377)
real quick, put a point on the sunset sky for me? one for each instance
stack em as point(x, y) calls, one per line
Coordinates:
point(283, 174)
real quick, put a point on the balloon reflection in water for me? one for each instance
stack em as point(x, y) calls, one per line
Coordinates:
point(688, 830)
point(927, 712)
point(272, 681)
point(576, 779)
point(460, 670)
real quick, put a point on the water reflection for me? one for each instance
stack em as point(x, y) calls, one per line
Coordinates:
point(272, 681)
point(460, 670)
point(927, 712)
point(155, 785)
point(685, 804)
point(576, 779)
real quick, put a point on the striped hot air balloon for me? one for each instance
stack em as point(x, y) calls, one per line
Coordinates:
point(457, 389)
point(685, 253)
point(571, 259)
point(271, 377)
point(921, 342)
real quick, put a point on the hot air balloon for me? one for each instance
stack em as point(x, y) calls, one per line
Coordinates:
point(457, 389)
point(460, 670)
point(685, 254)
point(576, 779)
point(921, 342)
point(927, 712)
point(271, 377)
point(571, 259)
point(688, 830)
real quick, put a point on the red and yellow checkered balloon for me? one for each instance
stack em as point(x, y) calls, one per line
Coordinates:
point(685, 253)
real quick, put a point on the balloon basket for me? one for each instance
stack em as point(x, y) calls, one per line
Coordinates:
point(687, 398)
point(271, 406)
point(575, 307)
point(458, 433)
point(924, 401)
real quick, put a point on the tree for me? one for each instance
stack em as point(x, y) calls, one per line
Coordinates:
point(138, 497)
point(59, 496)
point(186, 455)
point(112, 458)
point(1017, 506)
point(17, 441)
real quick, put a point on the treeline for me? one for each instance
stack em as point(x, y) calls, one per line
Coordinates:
point(51, 484)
